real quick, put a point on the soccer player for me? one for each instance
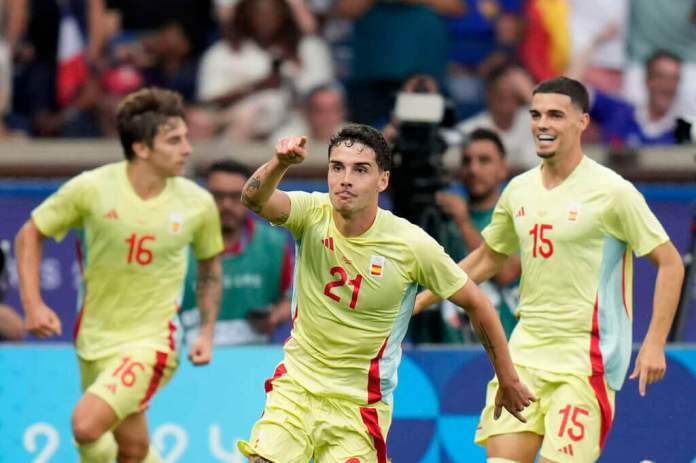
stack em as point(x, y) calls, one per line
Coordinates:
point(356, 273)
point(137, 219)
point(575, 224)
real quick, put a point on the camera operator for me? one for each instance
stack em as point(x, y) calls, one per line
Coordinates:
point(11, 324)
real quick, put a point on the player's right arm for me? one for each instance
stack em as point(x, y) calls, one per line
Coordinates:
point(41, 320)
point(480, 265)
point(261, 193)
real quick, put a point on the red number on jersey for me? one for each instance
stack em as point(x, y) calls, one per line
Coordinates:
point(137, 249)
point(128, 376)
point(342, 279)
point(577, 431)
point(542, 245)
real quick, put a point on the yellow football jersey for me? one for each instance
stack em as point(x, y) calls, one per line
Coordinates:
point(353, 298)
point(576, 242)
point(134, 254)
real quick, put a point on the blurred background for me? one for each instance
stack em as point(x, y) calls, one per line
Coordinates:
point(252, 71)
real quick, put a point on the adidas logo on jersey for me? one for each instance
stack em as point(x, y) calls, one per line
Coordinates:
point(328, 243)
point(112, 215)
point(520, 212)
point(568, 450)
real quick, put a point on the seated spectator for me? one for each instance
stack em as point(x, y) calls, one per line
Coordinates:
point(508, 92)
point(323, 113)
point(247, 80)
point(11, 324)
point(622, 124)
point(257, 268)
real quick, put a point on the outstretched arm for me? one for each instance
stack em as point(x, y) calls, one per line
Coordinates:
point(208, 291)
point(650, 364)
point(40, 319)
point(261, 194)
point(512, 394)
point(480, 265)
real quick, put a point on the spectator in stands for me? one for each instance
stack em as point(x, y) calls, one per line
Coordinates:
point(622, 124)
point(508, 91)
point(11, 324)
point(247, 80)
point(257, 268)
point(482, 173)
point(393, 41)
point(323, 113)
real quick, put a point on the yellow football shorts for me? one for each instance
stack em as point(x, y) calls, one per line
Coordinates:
point(128, 380)
point(297, 426)
point(573, 413)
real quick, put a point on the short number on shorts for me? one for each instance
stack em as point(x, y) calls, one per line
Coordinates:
point(342, 279)
point(127, 371)
point(576, 431)
point(137, 250)
point(542, 245)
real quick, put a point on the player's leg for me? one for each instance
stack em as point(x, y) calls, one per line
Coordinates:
point(133, 441)
point(347, 433)
point(508, 438)
point(117, 387)
point(281, 434)
point(579, 417)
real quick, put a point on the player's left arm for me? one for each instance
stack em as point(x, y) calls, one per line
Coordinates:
point(208, 292)
point(650, 364)
point(512, 394)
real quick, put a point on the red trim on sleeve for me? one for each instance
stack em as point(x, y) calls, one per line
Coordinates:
point(286, 272)
point(374, 388)
point(597, 378)
point(371, 420)
point(279, 371)
point(158, 371)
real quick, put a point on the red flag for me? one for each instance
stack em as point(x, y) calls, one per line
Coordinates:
point(72, 60)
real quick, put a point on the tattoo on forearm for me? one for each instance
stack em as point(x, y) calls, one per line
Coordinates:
point(251, 204)
point(208, 291)
point(485, 340)
point(254, 183)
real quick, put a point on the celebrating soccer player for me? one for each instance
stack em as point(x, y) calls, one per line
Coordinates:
point(136, 219)
point(356, 274)
point(575, 224)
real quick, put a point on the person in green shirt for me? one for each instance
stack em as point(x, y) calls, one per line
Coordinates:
point(483, 172)
point(256, 264)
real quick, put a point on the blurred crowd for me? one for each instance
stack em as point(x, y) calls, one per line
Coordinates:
point(252, 70)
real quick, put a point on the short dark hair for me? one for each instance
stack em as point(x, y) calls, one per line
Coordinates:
point(140, 115)
point(658, 55)
point(485, 134)
point(569, 87)
point(368, 136)
point(228, 166)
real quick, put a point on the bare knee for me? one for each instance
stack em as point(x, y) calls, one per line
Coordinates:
point(132, 451)
point(84, 429)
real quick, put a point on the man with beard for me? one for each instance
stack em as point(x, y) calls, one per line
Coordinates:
point(483, 171)
point(257, 267)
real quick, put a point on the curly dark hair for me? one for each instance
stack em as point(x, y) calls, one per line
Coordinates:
point(368, 136)
point(241, 28)
point(140, 115)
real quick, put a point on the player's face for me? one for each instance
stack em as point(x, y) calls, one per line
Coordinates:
point(170, 148)
point(354, 178)
point(557, 124)
point(226, 188)
point(483, 169)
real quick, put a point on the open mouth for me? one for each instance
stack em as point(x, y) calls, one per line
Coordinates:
point(545, 139)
